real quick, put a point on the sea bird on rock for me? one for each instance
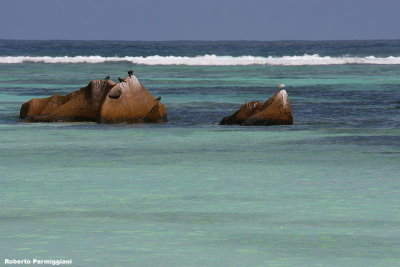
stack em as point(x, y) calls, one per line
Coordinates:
point(281, 86)
point(130, 73)
point(158, 98)
point(107, 78)
point(121, 80)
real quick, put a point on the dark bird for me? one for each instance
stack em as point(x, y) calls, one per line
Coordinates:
point(107, 78)
point(130, 73)
point(158, 98)
point(120, 80)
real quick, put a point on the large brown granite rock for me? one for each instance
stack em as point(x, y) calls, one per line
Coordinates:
point(243, 113)
point(275, 111)
point(130, 102)
point(81, 105)
point(101, 101)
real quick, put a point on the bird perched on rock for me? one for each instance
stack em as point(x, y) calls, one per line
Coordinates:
point(281, 86)
point(121, 80)
point(107, 78)
point(158, 98)
point(130, 73)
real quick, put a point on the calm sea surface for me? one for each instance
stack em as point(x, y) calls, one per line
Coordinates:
point(324, 191)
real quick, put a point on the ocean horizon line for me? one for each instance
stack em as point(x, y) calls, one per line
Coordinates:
point(194, 40)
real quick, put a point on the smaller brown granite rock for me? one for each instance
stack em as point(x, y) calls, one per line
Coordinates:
point(275, 111)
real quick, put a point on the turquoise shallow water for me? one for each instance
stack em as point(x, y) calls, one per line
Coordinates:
point(195, 196)
point(322, 192)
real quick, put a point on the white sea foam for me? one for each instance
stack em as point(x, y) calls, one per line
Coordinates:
point(211, 60)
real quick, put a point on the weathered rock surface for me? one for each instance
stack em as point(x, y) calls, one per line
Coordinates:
point(81, 105)
point(130, 102)
point(100, 101)
point(248, 109)
point(275, 111)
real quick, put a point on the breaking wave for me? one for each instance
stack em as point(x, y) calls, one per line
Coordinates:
point(208, 60)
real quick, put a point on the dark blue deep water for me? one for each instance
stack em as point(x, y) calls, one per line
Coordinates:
point(381, 48)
